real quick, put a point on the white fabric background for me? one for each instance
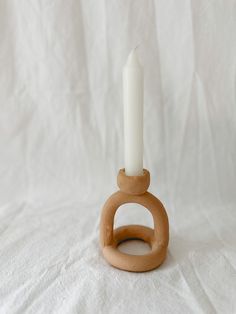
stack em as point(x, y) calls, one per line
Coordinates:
point(61, 146)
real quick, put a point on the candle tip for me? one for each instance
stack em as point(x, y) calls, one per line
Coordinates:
point(133, 58)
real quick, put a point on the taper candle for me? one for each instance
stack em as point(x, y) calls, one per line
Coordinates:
point(133, 115)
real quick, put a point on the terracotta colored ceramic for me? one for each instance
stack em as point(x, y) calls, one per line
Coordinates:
point(133, 189)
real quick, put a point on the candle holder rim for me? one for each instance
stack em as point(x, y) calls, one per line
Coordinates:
point(145, 173)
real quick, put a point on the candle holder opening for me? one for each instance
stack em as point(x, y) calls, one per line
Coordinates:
point(134, 247)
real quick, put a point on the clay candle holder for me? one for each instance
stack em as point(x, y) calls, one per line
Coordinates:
point(133, 189)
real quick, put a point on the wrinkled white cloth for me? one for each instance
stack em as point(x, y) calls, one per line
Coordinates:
point(61, 146)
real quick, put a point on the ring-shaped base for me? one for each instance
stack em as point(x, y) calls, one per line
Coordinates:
point(134, 263)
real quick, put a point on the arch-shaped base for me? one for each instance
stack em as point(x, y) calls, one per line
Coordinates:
point(157, 238)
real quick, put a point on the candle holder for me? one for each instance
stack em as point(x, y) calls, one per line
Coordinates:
point(133, 189)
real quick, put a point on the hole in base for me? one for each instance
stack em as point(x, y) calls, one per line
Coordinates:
point(134, 247)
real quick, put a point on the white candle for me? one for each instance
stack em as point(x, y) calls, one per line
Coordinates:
point(133, 115)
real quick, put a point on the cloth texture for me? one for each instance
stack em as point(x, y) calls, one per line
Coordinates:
point(61, 146)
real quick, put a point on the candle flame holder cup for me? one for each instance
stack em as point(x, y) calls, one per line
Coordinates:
point(133, 189)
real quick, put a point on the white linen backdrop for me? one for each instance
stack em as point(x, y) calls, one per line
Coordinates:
point(61, 146)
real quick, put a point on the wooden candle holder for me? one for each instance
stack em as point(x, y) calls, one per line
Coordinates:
point(133, 189)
